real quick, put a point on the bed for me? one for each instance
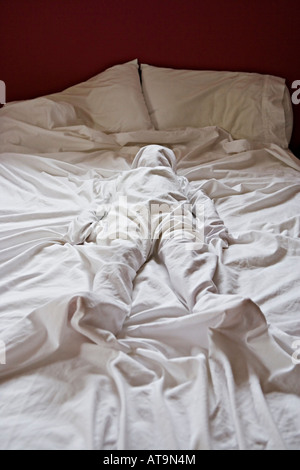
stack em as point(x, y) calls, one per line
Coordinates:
point(207, 353)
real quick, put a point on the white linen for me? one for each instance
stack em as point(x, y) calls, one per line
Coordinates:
point(218, 377)
point(111, 101)
point(248, 105)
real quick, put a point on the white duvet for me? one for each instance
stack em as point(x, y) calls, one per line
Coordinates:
point(137, 343)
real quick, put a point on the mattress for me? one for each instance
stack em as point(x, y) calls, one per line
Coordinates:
point(205, 354)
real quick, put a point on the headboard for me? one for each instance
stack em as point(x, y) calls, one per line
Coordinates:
point(51, 44)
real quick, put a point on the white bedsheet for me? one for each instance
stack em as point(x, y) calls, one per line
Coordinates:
point(219, 377)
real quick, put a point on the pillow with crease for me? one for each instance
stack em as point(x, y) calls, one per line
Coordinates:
point(247, 105)
point(111, 101)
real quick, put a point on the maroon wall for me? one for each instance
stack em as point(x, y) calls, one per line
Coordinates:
point(47, 45)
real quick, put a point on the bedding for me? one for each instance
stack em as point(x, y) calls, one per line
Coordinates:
point(116, 343)
point(111, 101)
point(247, 105)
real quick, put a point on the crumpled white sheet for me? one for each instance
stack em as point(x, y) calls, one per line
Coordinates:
point(144, 210)
point(207, 369)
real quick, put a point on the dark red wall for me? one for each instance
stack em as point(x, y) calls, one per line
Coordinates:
point(47, 45)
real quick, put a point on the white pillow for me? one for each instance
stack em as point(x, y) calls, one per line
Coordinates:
point(112, 100)
point(247, 105)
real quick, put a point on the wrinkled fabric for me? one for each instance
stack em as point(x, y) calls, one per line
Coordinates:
point(202, 357)
point(147, 209)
